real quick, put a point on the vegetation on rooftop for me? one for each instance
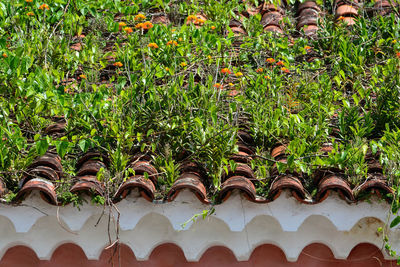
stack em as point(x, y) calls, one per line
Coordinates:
point(182, 91)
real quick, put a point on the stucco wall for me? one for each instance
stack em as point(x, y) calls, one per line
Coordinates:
point(170, 255)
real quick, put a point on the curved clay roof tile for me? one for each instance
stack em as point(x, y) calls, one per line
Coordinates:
point(375, 184)
point(92, 156)
point(290, 182)
point(333, 182)
point(145, 186)
point(50, 160)
point(189, 181)
point(45, 187)
point(241, 170)
point(88, 184)
point(90, 167)
point(42, 172)
point(240, 183)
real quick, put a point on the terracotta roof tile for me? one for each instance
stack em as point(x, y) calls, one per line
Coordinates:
point(145, 186)
point(240, 183)
point(285, 182)
point(192, 181)
point(44, 186)
point(88, 184)
point(334, 182)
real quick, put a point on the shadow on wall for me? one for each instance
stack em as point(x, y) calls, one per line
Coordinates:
point(170, 255)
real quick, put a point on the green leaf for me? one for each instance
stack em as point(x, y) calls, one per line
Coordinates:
point(84, 145)
point(62, 148)
point(395, 222)
point(42, 146)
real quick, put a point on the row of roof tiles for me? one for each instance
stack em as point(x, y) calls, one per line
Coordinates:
point(45, 171)
point(307, 15)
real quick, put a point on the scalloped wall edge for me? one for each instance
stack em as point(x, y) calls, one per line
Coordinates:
point(143, 226)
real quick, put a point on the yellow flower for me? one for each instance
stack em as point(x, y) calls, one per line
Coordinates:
point(209, 57)
point(183, 64)
point(238, 74)
point(212, 27)
point(152, 45)
point(147, 25)
point(118, 64)
point(166, 68)
point(128, 30)
point(173, 30)
point(199, 21)
point(394, 41)
point(180, 39)
point(140, 17)
point(122, 24)
point(225, 71)
point(30, 14)
point(231, 84)
point(191, 18)
point(267, 77)
point(82, 76)
point(139, 26)
point(270, 60)
point(44, 6)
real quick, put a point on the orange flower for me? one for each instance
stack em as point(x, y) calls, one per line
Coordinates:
point(226, 71)
point(238, 74)
point(183, 64)
point(118, 64)
point(172, 43)
point(152, 45)
point(259, 70)
point(267, 77)
point(307, 47)
point(285, 70)
point(166, 68)
point(147, 25)
point(398, 54)
point(140, 17)
point(122, 24)
point(341, 18)
point(139, 26)
point(128, 30)
point(30, 14)
point(5, 55)
point(180, 39)
point(270, 60)
point(218, 85)
point(199, 21)
point(82, 76)
point(29, 1)
point(191, 18)
point(280, 63)
point(212, 27)
point(44, 6)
